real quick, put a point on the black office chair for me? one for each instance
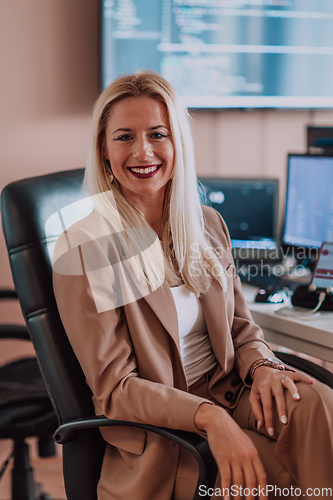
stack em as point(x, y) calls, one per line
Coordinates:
point(25, 411)
point(26, 206)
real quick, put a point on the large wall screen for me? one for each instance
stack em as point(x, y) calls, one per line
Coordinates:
point(226, 53)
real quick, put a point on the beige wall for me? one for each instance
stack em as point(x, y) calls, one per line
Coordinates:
point(49, 80)
point(48, 83)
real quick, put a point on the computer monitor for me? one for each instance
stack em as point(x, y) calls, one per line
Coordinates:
point(309, 203)
point(250, 209)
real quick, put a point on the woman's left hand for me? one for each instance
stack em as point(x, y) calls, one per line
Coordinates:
point(269, 384)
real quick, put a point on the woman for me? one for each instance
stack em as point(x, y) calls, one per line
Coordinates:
point(151, 303)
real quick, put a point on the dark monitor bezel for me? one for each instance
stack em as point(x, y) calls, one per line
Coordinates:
point(255, 254)
point(306, 252)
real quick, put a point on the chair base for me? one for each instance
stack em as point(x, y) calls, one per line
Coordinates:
point(23, 485)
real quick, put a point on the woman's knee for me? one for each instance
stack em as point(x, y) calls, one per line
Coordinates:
point(315, 403)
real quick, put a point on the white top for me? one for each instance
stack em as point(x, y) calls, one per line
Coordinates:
point(195, 347)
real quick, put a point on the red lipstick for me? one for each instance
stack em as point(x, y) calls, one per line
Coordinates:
point(144, 171)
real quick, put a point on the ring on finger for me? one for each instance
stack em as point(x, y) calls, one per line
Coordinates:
point(284, 378)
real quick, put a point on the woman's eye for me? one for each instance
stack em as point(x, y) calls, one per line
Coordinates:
point(124, 137)
point(157, 135)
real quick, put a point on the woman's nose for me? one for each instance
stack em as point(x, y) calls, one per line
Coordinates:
point(142, 150)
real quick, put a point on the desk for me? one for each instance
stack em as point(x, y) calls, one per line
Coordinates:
point(311, 336)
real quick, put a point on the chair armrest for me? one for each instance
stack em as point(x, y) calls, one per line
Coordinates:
point(18, 332)
point(196, 444)
point(6, 293)
point(316, 371)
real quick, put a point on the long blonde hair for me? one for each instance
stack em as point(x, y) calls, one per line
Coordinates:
point(183, 221)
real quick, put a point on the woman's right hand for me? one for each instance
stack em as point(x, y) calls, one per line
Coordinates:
point(236, 456)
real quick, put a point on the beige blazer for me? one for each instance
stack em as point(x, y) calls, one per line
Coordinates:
point(130, 354)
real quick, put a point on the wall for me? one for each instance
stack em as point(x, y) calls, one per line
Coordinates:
point(49, 81)
point(252, 143)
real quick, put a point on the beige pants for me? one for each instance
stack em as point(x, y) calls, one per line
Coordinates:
point(299, 458)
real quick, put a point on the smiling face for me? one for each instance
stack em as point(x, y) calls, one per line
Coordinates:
point(140, 149)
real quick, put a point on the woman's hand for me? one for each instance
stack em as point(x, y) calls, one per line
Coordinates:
point(236, 456)
point(269, 384)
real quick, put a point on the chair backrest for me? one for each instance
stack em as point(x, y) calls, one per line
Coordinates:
point(26, 207)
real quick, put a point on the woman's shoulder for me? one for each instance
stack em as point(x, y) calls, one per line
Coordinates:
point(209, 213)
point(214, 222)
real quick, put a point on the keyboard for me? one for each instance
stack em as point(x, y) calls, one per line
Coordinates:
point(265, 280)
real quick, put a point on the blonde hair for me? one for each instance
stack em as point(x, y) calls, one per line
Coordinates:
point(183, 221)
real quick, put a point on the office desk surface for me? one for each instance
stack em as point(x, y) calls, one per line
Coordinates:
point(313, 336)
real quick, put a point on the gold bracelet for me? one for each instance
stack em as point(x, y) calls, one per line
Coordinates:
point(272, 363)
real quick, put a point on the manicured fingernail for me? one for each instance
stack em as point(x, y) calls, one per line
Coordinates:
point(284, 419)
point(258, 425)
point(296, 395)
point(271, 431)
